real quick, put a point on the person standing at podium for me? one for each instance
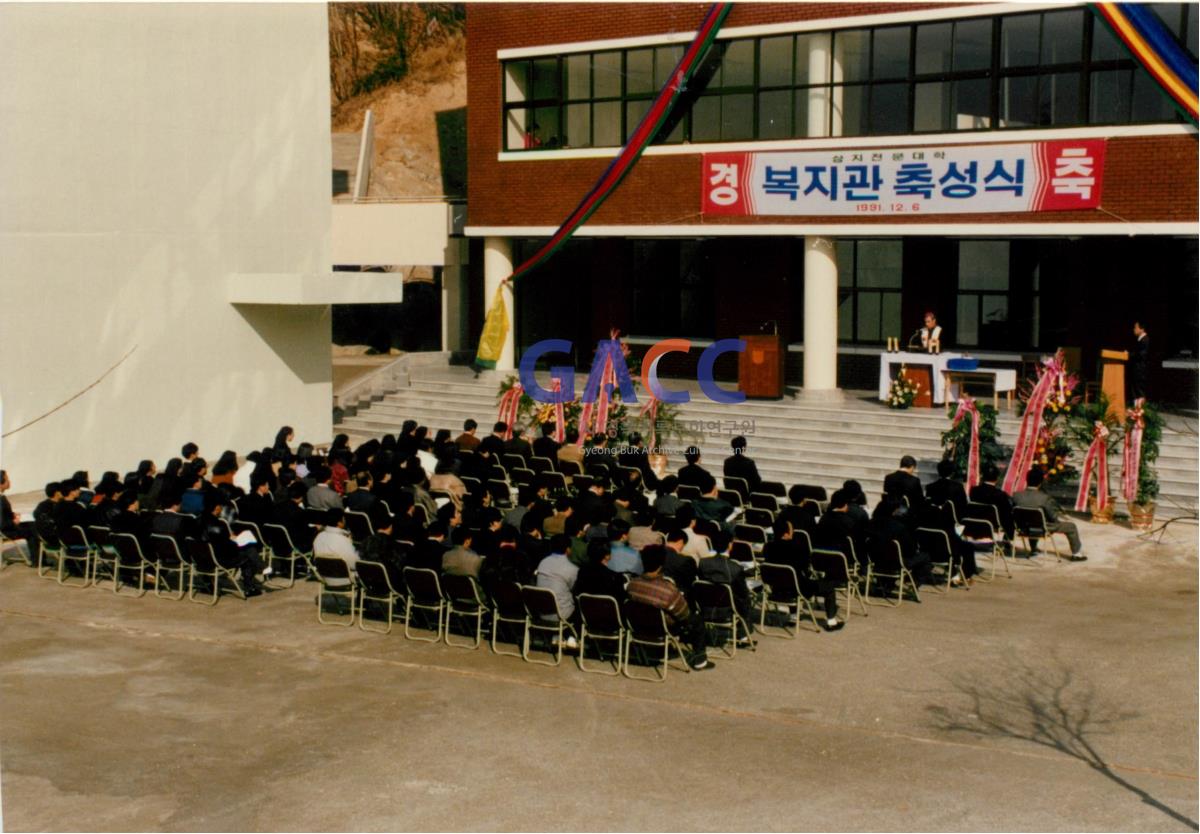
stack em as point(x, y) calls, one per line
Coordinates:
point(931, 332)
point(1139, 362)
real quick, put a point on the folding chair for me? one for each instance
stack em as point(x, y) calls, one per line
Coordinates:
point(739, 485)
point(375, 585)
point(582, 483)
point(687, 492)
point(500, 473)
point(554, 482)
point(732, 497)
point(720, 615)
point(602, 623)
point(500, 492)
point(420, 513)
point(314, 518)
point(833, 566)
point(540, 606)
point(337, 583)
point(512, 462)
point(540, 465)
point(648, 627)
point(775, 488)
point(281, 549)
point(466, 600)
point(508, 608)
point(569, 468)
point(765, 501)
point(55, 551)
point(424, 594)
point(757, 536)
point(1031, 525)
point(886, 561)
point(130, 559)
point(473, 485)
point(169, 559)
point(206, 566)
point(981, 529)
point(781, 587)
point(522, 476)
point(936, 544)
point(104, 555)
point(758, 517)
point(75, 548)
point(743, 552)
point(359, 525)
point(811, 492)
point(18, 546)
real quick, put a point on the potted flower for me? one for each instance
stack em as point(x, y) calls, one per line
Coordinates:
point(903, 391)
point(1084, 425)
point(1149, 422)
point(956, 441)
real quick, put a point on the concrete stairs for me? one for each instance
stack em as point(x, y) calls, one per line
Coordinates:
point(791, 440)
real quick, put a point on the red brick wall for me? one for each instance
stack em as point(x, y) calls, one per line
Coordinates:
point(1146, 179)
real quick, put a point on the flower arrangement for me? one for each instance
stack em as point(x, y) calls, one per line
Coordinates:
point(1052, 454)
point(1053, 448)
point(956, 441)
point(903, 391)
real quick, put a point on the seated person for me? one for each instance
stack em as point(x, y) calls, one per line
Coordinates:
point(654, 589)
point(667, 503)
point(432, 548)
point(786, 549)
point(988, 493)
point(739, 465)
point(678, 567)
point(947, 490)
point(836, 526)
point(558, 573)
point(334, 542)
point(801, 514)
point(692, 473)
point(722, 570)
point(225, 547)
point(461, 560)
point(508, 562)
point(1034, 497)
point(714, 509)
point(381, 547)
point(289, 513)
point(698, 546)
point(904, 482)
point(622, 557)
point(885, 527)
point(595, 577)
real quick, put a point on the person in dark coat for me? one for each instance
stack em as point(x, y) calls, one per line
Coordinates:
point(1139, 362)
point(905, 483)
point(738, 465)
point(947, 490)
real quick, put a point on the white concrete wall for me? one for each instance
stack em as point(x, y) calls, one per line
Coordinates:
point(390, 234)
point(146, 153)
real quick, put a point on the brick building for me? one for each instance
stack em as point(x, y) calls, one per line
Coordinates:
point(801, 89)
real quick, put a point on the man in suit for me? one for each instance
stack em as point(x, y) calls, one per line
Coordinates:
point(905, 483)
point(429, 552)
point(635, 456)
point(323, 496)
point(692, 473)
point(462, 560)
point(738, 465)
point(1139, 362)
point(289, 513)
point(946, 489)
point(362, 499)
point(467, 441)
point(679, 568)
point(988, 493)
point(518, 445)
point(836, 525)
point(69, 512)
point(785, 549)
point(1033, 496)
point(546, 446)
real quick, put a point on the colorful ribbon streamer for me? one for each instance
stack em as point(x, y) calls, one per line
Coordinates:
point(650, 409)
point(560, 414)
point(1156, 49)
point(1095, 463)
point(1135, 419)
point(1031, 424)
point(966, 405)
point(510, 401)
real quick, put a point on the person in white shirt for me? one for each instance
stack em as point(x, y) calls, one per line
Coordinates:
point(334, 542)
point(931, 333)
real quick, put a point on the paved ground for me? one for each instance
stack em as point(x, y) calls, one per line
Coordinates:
point(1064, 699)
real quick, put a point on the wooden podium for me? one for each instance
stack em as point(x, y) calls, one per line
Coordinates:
point(761, 366)
point(923, 376)
point(1112, 380)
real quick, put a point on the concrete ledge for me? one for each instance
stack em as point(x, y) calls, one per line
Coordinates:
point(386, 379)
point(315, 289)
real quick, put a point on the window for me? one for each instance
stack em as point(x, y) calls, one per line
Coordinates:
point(983, 280)
point(869, 275)
point(1059, 68)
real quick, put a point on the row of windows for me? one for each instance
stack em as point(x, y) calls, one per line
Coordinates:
point(1055, 68)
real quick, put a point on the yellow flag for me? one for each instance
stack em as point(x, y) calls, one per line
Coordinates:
point(495, 332)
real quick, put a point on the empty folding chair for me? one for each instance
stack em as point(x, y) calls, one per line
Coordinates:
point(209, 571)
point(359, 525)
point(811, 492)
point(512, 462)
point(647, 627)
point(569, 468)
point(169, 562)
point(540, 465)
point(781, 590)
point(283, 554)
point(508, 609)
point(473, 485)
point(731, 497)
point(687, 492)
point(500, 492)
point(466, 601)
point(739, 485)
point(582, 483)
point(375, 586)
point(338, 584)
point(131, 562)
point(757, 536)
point(775, 488)
point(602, 624)
point(758, 518)
point(544, 618)
point(833, 566)
point(314, 518)
point(424, 595)
point(981, 529)
point(936, 544)
point(720, 616)
point(522, 476)
point(743, 552)
point(765, 501)
point(554, 482)
point(76, 551)
point(49, 558)
point(1031, 526)
point(886, 562)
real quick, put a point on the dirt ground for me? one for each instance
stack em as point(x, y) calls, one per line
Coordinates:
point(1062, 699)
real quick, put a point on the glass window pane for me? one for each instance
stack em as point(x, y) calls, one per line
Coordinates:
point(775, 115)
point(845, 317)
point(850, 50)
point(889, 53)
point(579, 75)
point(515, 122)
point(579, 126)
point(1062, 36)
point(1110, 97)
point(1019, 40)
point(738, 64)
point(606, 74)
point(973, 44)
point(972, 107)
point(516, 81)
point(1105, 46)
point(867, 326)
point(889, 108)
point(1018, 101)
point(812, 58)
point(983, 265)
point(933, 48)
point(639, 71)
point(844, 253)
point(708, 74)
point(931, 106)
point(665, 59)
point(1058, 102)
point(879, 263)
point(850, 103)
point(606, 124)
point(775, 62)
point(1192, 30)
point(1169, 14)
point(545, 78)
point(634, 110)
point(545, 127)
point(1150, 103)
point(706, 119)
point(994, 309)
point(890, 324)
point(967, 326)
point(737, 116)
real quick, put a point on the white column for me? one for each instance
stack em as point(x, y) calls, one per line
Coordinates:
point(820, 319)
point(497, 265)
point(818, 73)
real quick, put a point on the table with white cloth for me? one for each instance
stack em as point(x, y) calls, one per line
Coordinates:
point(935, 361)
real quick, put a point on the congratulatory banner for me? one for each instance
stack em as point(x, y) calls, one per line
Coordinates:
point(1027, 177)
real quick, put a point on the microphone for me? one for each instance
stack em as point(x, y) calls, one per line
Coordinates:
point(915, 338)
